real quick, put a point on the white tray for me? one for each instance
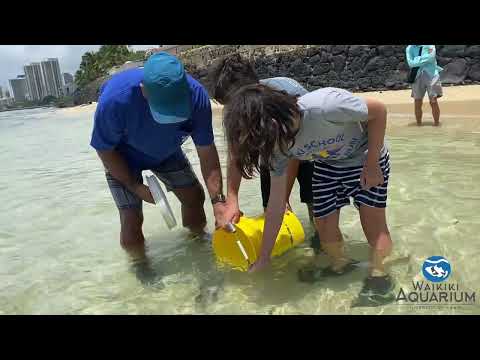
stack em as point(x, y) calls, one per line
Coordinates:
point(161, 201)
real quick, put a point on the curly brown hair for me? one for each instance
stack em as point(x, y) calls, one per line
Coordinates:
point(229, 74)
point(258, 122)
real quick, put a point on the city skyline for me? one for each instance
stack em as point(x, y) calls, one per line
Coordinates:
point(14, 57)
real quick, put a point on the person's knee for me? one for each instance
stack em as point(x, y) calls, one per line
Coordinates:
point(327, 226)
point(433, 101)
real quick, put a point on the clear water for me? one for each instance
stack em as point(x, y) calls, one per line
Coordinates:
point(60, 253)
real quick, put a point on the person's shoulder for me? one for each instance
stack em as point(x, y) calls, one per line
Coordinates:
point(328, 100)
point(119, 89)
point(321, 95)
point(282, 83)
point(200, 97)
point(195, 85)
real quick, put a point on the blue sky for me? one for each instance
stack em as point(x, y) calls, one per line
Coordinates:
point(13, 57)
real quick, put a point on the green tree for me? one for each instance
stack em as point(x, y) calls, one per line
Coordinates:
point(97, 64)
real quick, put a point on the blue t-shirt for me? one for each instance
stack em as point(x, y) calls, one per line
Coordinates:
point(123, 122)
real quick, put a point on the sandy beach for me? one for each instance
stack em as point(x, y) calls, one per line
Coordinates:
point(459, 104)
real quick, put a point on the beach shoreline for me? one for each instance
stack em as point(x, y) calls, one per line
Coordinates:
point(458, 100)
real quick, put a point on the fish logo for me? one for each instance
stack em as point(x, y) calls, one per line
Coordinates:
point(325, 153)
point(436, 269)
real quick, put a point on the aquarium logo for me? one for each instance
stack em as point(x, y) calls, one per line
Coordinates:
point(436, 269)
point(441, 294)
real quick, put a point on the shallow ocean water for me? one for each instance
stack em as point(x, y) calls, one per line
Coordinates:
point(60, 253)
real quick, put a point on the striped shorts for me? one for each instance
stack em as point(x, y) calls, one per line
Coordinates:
point(333, 186)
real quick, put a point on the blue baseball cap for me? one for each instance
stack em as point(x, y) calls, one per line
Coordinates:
point(167, 88)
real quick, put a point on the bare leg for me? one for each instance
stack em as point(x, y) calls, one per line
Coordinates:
point(418, 111)
point(331, 240)
point(193, 214)
point(435, 111)
point(131, 235)
point(133, 241)
point(375, 227)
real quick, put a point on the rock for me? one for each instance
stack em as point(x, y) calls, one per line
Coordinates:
point(393, 61)
point(357, 64)
point(377, 81)
point(364, 83)
point(315, 59)
point(454, 72)
point(356, 50)
point(442, 61)
point(299, 68)
point(338, 49)
point(402, 66)
point(321, 68)
point(316, 82)
point(90, 92)
point(346, 75)
point(473, 51)
point(332, 75)
point(474, 73)
point(375, 63)
point(338, 63)
point(386, 50)
point(453, 50)
point(313, 51)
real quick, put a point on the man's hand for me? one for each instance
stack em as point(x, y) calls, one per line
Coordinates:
point(372, 175)
point(226, 213)
point(143, 192)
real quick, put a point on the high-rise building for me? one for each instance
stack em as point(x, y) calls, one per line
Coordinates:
point(36, 87)
point(19, 88)
point(53, 76)
point(1, 92)
point(7, 93)
point(68, 78)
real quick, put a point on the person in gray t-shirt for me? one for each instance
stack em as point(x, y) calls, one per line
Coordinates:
point(229, 74)
point(344, 135)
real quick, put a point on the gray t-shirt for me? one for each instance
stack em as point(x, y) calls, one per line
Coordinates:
point(333, 130)
point(291, 86)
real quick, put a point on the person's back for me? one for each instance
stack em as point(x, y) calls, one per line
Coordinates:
point(123, 118)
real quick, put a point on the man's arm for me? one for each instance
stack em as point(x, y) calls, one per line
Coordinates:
point(210, 166)
point(234, 178)
point(116, 165)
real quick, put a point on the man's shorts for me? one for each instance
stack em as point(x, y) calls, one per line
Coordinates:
point(333, 186)
point(175, 172)
point(304, 178)
point(424, 83)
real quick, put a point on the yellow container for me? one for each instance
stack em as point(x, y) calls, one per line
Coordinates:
point(241, 248)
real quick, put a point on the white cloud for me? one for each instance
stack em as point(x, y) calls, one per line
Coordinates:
point(13, 57)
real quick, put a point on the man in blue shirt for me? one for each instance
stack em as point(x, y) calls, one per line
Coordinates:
point(427, 79)
point(142, 118)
